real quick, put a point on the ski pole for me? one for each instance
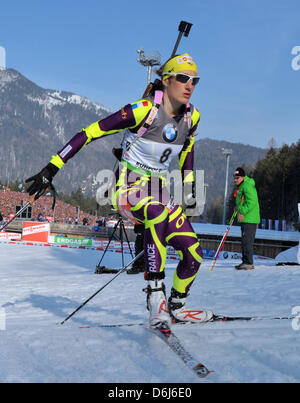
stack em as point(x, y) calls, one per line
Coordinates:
point(124, 268)
point(222, 241)
point(29, 203)
point(37, 195)
point(225, 236)
point(16, 215)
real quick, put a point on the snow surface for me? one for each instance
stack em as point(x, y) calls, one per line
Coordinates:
point(40, 286)
point(291, 255)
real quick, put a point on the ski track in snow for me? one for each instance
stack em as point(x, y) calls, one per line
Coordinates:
point(40, 287)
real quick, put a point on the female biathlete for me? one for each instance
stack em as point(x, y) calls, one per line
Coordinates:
point(158, 127)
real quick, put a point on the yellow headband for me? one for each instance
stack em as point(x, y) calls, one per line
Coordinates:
point(179, 63)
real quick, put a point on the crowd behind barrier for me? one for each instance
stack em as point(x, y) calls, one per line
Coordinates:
point(42, 209)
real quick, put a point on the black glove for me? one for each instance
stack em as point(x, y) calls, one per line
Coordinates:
point(42, 180)
point(1, 217)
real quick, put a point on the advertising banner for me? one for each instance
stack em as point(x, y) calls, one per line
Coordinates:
point(35, 231)
point(9, 235)
point(72, 241)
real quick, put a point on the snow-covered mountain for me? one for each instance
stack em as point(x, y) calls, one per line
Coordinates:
point(36, 122)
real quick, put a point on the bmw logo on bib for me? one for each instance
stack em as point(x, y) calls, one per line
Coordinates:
point(170, 133)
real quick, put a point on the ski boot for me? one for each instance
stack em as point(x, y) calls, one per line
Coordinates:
point(156, 302)
point(178, 312)
point(244, 266)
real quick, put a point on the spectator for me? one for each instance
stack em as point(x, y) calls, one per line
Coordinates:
point(248, 215)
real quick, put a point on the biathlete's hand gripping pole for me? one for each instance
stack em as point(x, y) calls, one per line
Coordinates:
point(225, 236)
point(184, 28)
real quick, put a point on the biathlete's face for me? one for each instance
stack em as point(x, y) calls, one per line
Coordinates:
point(178, 90)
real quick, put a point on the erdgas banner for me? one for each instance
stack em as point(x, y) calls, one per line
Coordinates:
point(72, 241)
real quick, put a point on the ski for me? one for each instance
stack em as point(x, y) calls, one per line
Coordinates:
point(176, 346)
point(113, 325)
point(172, 341)
point(221, 318)
point(215, 318)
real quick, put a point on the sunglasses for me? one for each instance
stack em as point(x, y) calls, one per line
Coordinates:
point(236, 177)
point(184, 78)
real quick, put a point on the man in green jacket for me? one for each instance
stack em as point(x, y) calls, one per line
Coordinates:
point(248, 215)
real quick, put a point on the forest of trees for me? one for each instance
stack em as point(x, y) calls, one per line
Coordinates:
point(277, 178)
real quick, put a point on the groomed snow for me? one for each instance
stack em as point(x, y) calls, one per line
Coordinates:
point(41, 286)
